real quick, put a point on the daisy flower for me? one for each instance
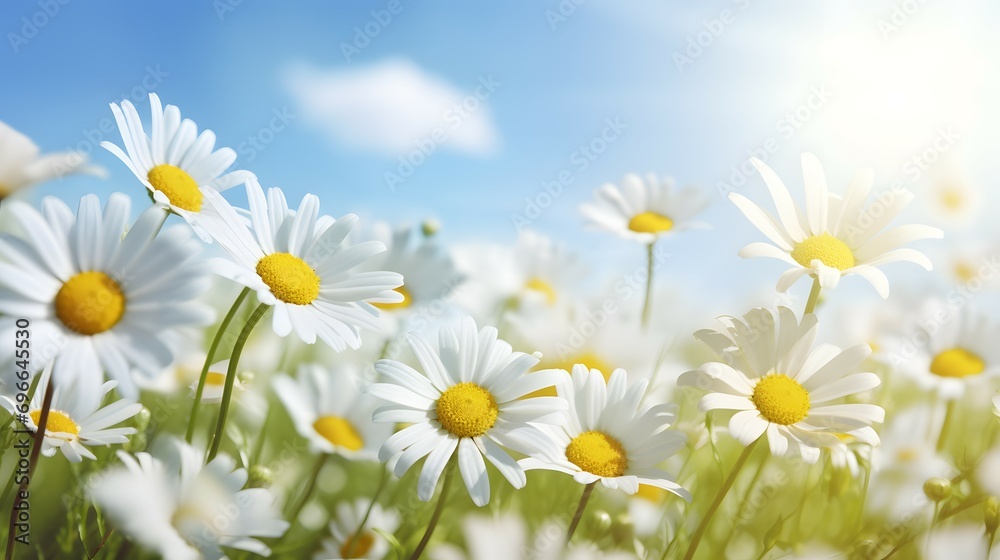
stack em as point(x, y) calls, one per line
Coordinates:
point(183, 509)
point(297, 263)
point(105, 296)
point(215, 382)
point(835, 236)
point(468, 399)
point(774, 379)
point(644, 209)
point(176, 163)
point(76, 419)
point(329, 410)
point(947, 350)
point(429, 273)
point(346, 520)
point(22, 167)
point(609, 437)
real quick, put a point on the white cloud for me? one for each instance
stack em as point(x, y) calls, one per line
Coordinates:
point(391, 106)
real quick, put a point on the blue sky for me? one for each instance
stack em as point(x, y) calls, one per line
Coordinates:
point(875, 82)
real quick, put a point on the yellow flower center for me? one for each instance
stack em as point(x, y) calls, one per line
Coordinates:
point(215, 378)
point(291, 280)
point(57, 422)
point(467, 410)
point(90, 303)
point(407, 301)
point(180, 188)
point(651, 493)
point(827, 249)
point(339, 432)
point(780, 399)
point(598, 453)
point(536, 284)
point(957, 362)
point(952, 199)
point(587, 358)
point(907, 455)
point(357, 548)
point(965, 271)
point(650, 222)
point(4, 191)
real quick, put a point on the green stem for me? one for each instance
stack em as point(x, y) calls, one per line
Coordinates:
point(259, 444)
point(438, 510)
point(227, 393)
point(209, 358)
point(945, 427)
point(310, 486)
point(753, 482)
point(587, 491)
point(378, 492)
point(36, 450)
point(649, 285)
point(703, 526)
point(813, 297)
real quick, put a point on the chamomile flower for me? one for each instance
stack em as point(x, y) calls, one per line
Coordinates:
point(76, 419)
point(21, 166)
point(774, 379)
point(183, 509)
point(644, 208)
point(835, 236)
point(329, 410)
point(106, 296)
point(215, 382)
point(468, 399)
point(947, 349)
point(609, 437)
point(347, 519)
point(297, 263)
point(176, 163)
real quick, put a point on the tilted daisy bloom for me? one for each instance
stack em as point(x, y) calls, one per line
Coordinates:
point(176, 163)
point(774, 379)
point(76, 419)
point(21, 166)
point(835, 236)
point(428, 271)
point(644, 208)
point(329, 410)
point(297, 263)
point(610, 437)
point(183, 509)
point(947, 349)
point(104, 295)
point(468, 399)
point(346, 521)
point(215, 382)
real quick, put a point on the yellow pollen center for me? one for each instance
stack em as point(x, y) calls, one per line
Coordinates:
point(952, 199)
point(215, 378)
point(651, 493)
point(339, 432)
point(291, 280)
point(536, 284)
point(90, 303)
point(907, 455)
point(57, 422)
point(467, 410)
point(587, 358)
point(827, 249)
point(407, 301)
point(957, 362)
point(598, 453)
point(358, 548)
point(180, 188)
point(650, 222)
point(965, 271)
point(780, 399)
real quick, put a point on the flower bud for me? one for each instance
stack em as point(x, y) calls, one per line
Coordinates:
point(142, 419)
point(260, 477)
point(430, 227)
point(991, 515)
point(937, 489)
